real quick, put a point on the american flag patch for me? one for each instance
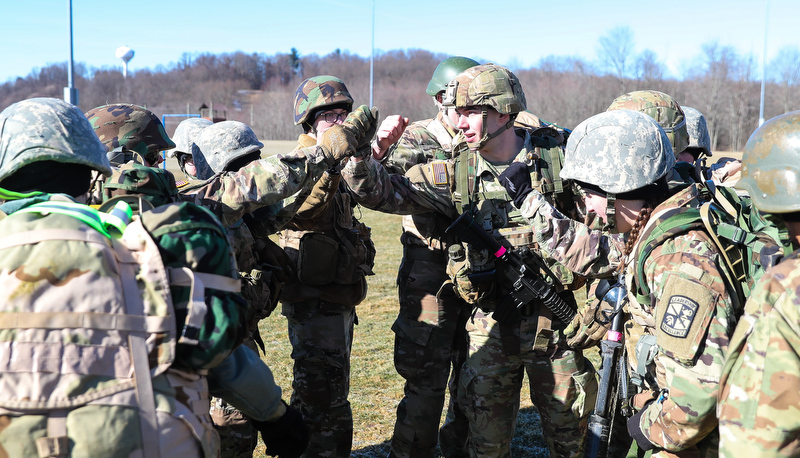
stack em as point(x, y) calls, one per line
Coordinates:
point(439, 173)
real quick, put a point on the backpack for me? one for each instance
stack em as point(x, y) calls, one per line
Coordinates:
point(748, 241)
point(99, 314)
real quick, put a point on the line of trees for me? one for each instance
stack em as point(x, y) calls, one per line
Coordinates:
point(259, 89)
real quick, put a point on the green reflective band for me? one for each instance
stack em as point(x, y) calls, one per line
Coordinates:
point(84, 213)
point(11, 195)
point(117, 219)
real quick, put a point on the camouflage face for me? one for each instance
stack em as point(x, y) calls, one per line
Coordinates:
point(618, 151)
point(131, 126)
point(698, 131)
point(661, 107)
point(771, 165)
point(44, 129)
point(319, 92)
point(486, 85)
point(224, 142)
point(446, 71)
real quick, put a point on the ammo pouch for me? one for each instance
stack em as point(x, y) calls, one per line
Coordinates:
point(317, 259)
point(322, 259)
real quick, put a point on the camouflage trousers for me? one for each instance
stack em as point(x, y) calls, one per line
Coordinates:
point(563, 388)
point(321, 334)
point(429, 339)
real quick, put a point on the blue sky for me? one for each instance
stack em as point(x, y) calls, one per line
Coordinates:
point(518, 33)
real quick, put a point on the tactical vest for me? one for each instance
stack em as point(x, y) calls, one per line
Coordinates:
point(89, 364)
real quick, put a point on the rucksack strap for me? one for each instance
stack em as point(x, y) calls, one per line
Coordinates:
point(197, 307)
point(56, 443)
point(731, 254)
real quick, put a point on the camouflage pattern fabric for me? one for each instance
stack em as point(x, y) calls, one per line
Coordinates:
point(618, 151)
point(319, 92)
point(226, 141)
point(429, 330)
point(319, 307)
point(131, 126)
point(28, 136)
point(758, 410)
point(692, 316)
point(428, 187)
point(486, 85)
point(156, 185)
point(238, 436)
point(697, 129)
point(661, 107)
point(276, 182)
point(185, 138)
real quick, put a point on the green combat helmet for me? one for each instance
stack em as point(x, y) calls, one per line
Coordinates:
point(226, 141)
point(661, 107)
point(185, 139)
point(446, 71)
point(130, 126)
point(771, 165)
point(27, 136)
point(319, 92)
point(487, 85)
point(620, 153)
point(699, 140)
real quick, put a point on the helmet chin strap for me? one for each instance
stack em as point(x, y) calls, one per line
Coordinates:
point(486, 137)
point(611, 213)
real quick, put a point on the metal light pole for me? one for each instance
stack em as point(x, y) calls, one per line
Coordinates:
point(70, 93)
point(372, 54)
point(763, 69)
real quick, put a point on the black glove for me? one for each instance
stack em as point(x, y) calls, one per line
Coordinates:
point(517, 181)
point(636, 432)
point(286, 437)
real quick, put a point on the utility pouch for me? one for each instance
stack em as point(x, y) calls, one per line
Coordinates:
point(318, 258)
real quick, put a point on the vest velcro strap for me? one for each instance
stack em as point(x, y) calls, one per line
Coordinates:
point(144, 396)
point(84, 320)
point(52, 446)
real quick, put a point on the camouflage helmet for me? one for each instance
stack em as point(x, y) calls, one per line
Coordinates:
point(486, 85)
point(771, 165)
point(134, 127)
point(226, 141)
point(618, 151)
point(698, 131)
point(185, 135)
point(446, 71)
point(45, 129)
point(155, 185)
point(319, 92)
point(661, 107)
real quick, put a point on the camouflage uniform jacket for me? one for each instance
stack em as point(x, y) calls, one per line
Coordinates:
point(328, 213)
point(692, 316)
point(277, 182)
point(759, 412)
point(433, 187)
point(422, 142)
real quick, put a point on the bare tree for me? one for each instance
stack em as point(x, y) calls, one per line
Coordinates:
point(648, 69)
point(786, 70)
point(615, 52)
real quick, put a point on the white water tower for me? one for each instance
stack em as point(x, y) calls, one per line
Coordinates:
point(125, 53)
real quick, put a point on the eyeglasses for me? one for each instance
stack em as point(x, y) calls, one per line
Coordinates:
point(332, 117)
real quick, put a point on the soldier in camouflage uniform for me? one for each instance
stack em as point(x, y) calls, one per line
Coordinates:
point(226, 147)
point(429, 330)
point(47, 151)
point(679, 333)
point(726, 171)
point(186, 152)
point(759, 412)
point(487, 99)
point(332, 253)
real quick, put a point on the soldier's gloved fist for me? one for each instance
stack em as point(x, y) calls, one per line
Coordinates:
point(362, 123)
point(589, 326)
point(337, 143)
point(517, 181)
point(286, 437)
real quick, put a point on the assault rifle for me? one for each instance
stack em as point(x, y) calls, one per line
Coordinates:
point(518, 270)
point(612, 395)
